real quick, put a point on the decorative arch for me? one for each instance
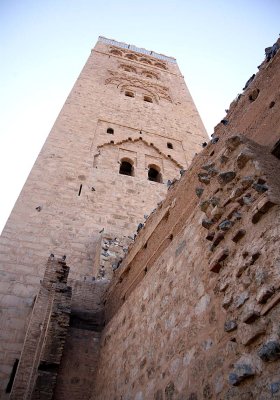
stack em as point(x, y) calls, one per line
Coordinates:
point(160, 65)
point(146, 61)
point(143, 91)
point(116, 52)
point(167, 157)
point(149, 74)
point(131, 56)
point(128, 68)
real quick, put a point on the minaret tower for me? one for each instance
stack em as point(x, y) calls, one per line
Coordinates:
point(128, 126)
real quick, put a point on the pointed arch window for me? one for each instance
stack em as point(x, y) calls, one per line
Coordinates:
point(154, 174)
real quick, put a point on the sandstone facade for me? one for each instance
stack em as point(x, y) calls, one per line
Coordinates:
point(75, 200)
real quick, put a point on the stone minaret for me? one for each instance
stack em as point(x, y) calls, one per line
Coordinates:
point(128, 126)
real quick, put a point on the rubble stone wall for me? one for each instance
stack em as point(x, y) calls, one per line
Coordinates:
point(201, 321)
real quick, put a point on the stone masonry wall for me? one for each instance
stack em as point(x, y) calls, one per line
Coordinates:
point(70, 198)
point(193, 310)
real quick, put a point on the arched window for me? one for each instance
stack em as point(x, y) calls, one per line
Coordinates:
point(169, 145)
point(110, 130)
point(148, 99)
point(128, 93)
point(126, 167)
point(116, 52)
point(154, 174)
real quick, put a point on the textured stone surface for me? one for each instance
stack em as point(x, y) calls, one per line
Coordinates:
point(162, 317)
point(270, 351)
point(76, 180)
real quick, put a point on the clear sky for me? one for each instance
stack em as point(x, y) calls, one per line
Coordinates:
point(44, 45)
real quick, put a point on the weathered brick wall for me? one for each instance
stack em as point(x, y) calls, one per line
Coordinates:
point(80, 357)
point(43, 345)
point(256, 111)
point(193, 311)
point(50, 216)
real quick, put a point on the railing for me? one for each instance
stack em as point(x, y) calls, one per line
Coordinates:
point(137, 49)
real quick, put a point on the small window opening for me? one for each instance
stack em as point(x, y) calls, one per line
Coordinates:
point(149, 76)
point(148, 99)
point(272, 104)
point(112, 141)
point(126, 168)
point(129, 94)
point(154, 175)
point(110, 131)
point(169, 156)
point(170, 145)
point(12, 376)
point(80, 190)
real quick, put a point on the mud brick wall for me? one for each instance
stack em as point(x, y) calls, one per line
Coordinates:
point(81, 350)
point(43, 345)
point(202, 320)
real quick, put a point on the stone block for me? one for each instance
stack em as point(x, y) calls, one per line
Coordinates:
point(264, 294)
point(226, 177)
point(243, 157)
point(203, 177)
point(250, 315)
point(216, 263)
point(227, 301)
point(225, 225)
point(240, 373)
point(241, 299)
point(230, 326)
point(249, 333)
point(261, 208)
point(247, 181)
point(270, 351)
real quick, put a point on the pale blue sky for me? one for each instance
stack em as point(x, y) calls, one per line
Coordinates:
point(44, 45)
